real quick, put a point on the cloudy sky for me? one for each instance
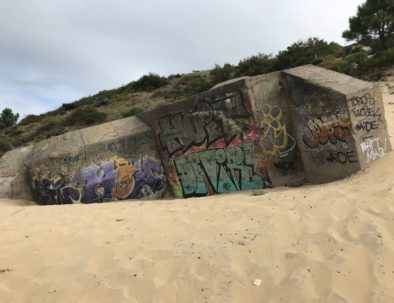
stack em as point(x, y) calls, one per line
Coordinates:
point(57, 51)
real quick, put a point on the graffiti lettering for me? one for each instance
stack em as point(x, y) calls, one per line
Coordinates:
point(342, 157)
point(274, 136)
point(211, 120)
point(373, 149)
point(220, 171)
point(365, 107)
point(59, 192)
point(116, 179)
point(327, 129)
point(70, 159)
point(366, 125)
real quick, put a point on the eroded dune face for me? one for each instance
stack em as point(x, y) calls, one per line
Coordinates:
point(323, 243)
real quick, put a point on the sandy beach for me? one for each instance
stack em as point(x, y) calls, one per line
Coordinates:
point(324, 243)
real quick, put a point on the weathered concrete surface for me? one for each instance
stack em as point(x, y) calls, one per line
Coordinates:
point(108, 162)
point(210, 143)
point(277, 133)
point(305, 124)
point(369, 126)
point(13, 174)
point(339, 122)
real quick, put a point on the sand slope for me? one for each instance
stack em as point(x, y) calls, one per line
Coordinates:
point(327, 243)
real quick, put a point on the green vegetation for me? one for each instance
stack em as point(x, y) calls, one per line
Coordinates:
point(69, 106)
point(373, 25)
point(85, 117)
point(372, 28)
point(5, 145)
point(310, 51)
point(8, 118)
point(132, 112)
point(221, 74)
point(146, 83)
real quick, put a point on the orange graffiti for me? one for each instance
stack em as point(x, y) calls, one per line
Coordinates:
point(324, 130)
point(124, 180)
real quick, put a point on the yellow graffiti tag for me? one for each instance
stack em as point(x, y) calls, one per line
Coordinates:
point(274, 136)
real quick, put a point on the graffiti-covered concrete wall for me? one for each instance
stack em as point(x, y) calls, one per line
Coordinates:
point(209, 143)
point(369, 125)
point(339, 120)
point(113, 161)
point(277, 133)
point(286, 128)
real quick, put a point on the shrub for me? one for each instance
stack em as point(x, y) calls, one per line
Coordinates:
point(146, 83)
point(311, 51)
point(190, 84)
point(30, 119)
point(69, 106)
point(174, 76)
point(85, 117)
point(132, 112)
point(221, 74)
point(203, 84)
point(382, 59)
point(255, 65)
point(101, 102)
point(332, 62)
point(5, 145)
point(51, 128)
point(353, 63)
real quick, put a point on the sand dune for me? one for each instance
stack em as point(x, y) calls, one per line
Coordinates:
point(326, 243)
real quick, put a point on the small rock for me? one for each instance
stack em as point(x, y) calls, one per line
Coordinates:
point(2, 271)
point(257, 282)
point(258, 192)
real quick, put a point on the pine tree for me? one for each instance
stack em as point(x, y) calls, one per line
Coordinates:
point(8, 118)
point(374, 22)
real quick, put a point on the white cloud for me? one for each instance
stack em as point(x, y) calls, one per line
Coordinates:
point(56, 51)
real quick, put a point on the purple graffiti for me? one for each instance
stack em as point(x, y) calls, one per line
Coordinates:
point(116, 179)
point(97, 181)
point(149, 178)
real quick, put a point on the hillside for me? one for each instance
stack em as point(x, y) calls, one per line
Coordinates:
point(105, 106)
point(152, 91)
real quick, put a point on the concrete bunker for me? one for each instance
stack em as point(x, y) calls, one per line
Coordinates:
point(305, 124)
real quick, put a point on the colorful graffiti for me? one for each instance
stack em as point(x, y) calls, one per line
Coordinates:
point(116, 179)
point(327, 129)
point(211, 149)
point(274, 136)
point(220, 170)
point(213, 121)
